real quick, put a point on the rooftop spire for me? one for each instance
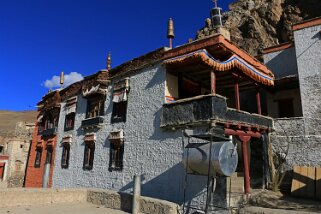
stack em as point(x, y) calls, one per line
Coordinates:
point(108, 62)
point(62, 79)
point(215, 3)
point(170, 32)
point(216, 16)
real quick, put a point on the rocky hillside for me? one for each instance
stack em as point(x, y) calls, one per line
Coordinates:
point(257, 24)
point(9, 119)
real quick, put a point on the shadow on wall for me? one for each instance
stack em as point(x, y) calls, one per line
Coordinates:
point(170, 186)
point(156, 80)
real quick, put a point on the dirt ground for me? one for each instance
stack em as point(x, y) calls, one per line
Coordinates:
point(276, 201)
point(84, 208)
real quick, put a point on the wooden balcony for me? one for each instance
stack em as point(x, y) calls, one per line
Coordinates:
point(206, 108)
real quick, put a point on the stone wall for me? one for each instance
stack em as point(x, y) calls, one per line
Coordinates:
point(290, 137)
point(308, 53)
point(107, 198)
point(290, 140)
point(123, 201)
point(282, 63)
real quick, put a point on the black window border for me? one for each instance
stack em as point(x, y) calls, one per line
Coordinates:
point(88, 163)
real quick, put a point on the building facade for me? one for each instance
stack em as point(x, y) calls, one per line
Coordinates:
point(141, 117)
point(44, 141)
point(296, 100)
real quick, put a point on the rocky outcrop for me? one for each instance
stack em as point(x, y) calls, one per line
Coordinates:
point(257, 24)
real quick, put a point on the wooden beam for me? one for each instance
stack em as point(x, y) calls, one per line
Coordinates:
point(213, 82)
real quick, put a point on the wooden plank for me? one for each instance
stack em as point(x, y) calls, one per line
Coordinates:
point(310, 184)
point(318, 183)
point(303, 181)
point(295, 181)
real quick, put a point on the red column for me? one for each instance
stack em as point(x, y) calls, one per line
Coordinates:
point(258, 101)
point(237, 94)
point(245, 140)
point(213, 82)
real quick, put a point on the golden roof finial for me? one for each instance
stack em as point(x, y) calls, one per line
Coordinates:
point(62, 78)
point(170, 29)
point(108, 61)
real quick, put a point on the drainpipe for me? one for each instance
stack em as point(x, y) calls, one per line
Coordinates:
point(45, 179)
point(136, 195)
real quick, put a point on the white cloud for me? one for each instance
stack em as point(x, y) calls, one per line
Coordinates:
point(71, 78)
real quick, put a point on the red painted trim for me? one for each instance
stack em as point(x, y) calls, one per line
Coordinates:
point(279, 47)
point(242, 133)
point(307, 23)
point(4, 157)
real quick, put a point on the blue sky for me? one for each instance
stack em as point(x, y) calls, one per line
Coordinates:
point(40, 38)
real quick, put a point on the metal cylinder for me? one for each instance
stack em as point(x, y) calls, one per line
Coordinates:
point(223, 160)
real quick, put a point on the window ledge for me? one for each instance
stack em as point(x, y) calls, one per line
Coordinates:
point(92, 122)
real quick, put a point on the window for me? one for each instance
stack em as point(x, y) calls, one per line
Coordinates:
point(48, 121)
point(95, 107)
point(65, 156)
point(38, 157)
point(119, 112)
point(120, 94)
point(116, 155)
point(70, 121)
point(1, 149)
point(49, 155)
point(286, 108)
point(89, 155)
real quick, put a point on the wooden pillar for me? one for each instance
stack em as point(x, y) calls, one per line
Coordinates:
point(213, 82)
point(258, 101)
point(245, 140)
point(237, 93)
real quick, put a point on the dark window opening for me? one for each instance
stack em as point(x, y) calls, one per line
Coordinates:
point(38, 157)
point(95, 107)
point(286, 108)
point(1, 149)
point(49, 155)
point(49, 121)
point(65, 156)
point(187, 87)
point(89, 155)
point(119, 112)
point(116, 155)
point(70, 121)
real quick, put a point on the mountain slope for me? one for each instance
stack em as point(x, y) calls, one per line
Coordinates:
point(257, 24)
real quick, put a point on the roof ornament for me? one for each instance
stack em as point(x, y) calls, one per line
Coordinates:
point(62, 79)
point(216, 16)
point(170, 32)
point(215, 3)
point(108, 62)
